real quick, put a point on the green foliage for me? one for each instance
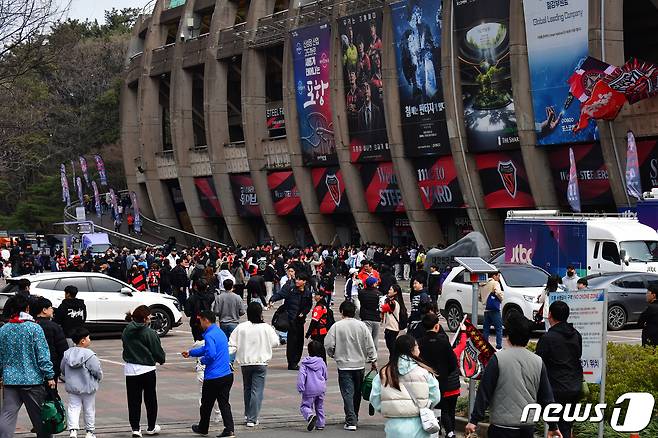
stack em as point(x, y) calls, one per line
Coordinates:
point(37, 211)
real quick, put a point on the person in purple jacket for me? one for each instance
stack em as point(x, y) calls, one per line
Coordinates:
point(312, 385)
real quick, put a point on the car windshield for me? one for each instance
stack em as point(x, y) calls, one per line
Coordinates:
point(100, 248)
point(640, 250)
point(522, 276)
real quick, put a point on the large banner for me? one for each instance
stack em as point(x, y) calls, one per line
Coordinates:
point(330, 188)
point(482, 38)
point(97, 199)
point(284, 193)
point(138, 217)
point(382, 192)
point(100, 167)
point(85, 169)
point(66, 194)
point(205, 189)
point(311, 61)
point(504, 180)
point(593, 178)
point(276, 121)
point(438, 184)
point(417, 31)
point(647, 153)
point(244, 193)
point(361, 43)
point(557, 34)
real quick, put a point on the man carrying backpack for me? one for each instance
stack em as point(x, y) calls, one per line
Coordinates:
point(200, 299)
point(322, 318)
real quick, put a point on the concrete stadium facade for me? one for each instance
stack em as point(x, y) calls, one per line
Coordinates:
point(202, 78)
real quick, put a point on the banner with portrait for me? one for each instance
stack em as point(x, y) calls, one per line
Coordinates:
point(330, 189)
point(557, 38)
point(382, 191)
point(417, 40)
point(361, 53)
point(311, 58)
point(482, 44)
point(244, 194)
point(647, 155)
point(438, 184)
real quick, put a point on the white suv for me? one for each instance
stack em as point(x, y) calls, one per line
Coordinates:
point(107, 299)
point(522, 286)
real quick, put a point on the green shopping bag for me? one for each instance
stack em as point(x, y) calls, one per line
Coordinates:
point(53, 414)
point(367, 384)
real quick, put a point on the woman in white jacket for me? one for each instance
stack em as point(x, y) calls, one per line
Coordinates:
point(404, 373)
point(252, 342)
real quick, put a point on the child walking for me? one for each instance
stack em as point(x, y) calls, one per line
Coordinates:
point(82, 372)
point(312, 385)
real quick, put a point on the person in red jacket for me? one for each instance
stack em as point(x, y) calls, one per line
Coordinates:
point(322, 318)
point(153, 279)
point(367, 270)
point(137, 278)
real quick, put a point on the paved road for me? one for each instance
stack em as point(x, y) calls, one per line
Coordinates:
point(178, 392)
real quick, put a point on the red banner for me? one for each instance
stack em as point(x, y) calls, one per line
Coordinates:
point(438, 184)
point(205, 189)
point(504, 180)
point(284, 193)
point(244, 193)
point(472, 350)
point(330, 188)
point(380, 183)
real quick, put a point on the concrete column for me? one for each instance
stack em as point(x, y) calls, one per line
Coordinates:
point(150, 129)
point(535, 158)
point(321, 226)
point(215, 105)
point(254, 72)
point(182, 129)
point(370, 226)
point(612, 134)
point(483, 220)
point(424, 224)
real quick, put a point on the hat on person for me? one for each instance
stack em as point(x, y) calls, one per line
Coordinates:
point(371, 281)
point(353, 271)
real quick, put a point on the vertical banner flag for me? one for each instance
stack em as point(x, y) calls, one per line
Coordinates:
point(557, 38)
point(633, 186)
point(311, 58)
point(138, 217)
point(115, 204)
point(100, 166)
point(417, 31)
point(73, 167)
point(573, 195)
point(79, 184)
point(473, 351)
point(66, 195)
point(362, 75)
point(97, 198)
point(85, 170)
point(482, 36)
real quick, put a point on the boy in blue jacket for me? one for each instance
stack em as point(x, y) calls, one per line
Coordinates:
point(217, 378)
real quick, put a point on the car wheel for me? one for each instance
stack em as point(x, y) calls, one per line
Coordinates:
point(454, 316)
point(616, 318)
point(161, 320)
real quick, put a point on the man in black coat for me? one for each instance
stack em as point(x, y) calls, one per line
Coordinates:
point(560, 349)
point(256, 288)
point(649, 318)
point(436, 351)
point(42, 312)
point(71, 313)
point(179, 281)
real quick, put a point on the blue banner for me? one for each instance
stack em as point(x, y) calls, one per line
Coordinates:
point(557, 35)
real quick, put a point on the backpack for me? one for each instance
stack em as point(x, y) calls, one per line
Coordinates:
point(53, 414)
point(280, 319)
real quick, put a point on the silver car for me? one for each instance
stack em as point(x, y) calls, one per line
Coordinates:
point(626, 295)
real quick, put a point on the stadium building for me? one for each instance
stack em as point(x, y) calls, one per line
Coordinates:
point(336, 121)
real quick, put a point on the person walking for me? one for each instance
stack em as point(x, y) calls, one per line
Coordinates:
point(552, 284)
point(405, 374)
point(570, 281)
point(649, 318)
point(322, 318)
point(252, 342)
point(350, 344)
point(141, 351)
point(492, 296)
point(256, 288)
point(229, 308)
point(71, 313)
point(370, 313)
point(180, 281)
point(513, 379)
point(560, 349)
point(434, 283)
point(42, 312)
point(82, 371)
point(200, 299)
point(418, 299)
point(218, 377)
point(436, 351)
point(26, 367)
point(312, 385)
point(394, 316)
point(298, 302)
point(352, 285)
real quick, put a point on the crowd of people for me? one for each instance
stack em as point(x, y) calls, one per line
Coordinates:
point(217, 287)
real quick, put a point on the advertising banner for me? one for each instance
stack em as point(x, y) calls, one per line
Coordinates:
point(205, 190)
point(244, 194)
point(276, 122)
point(504, 180)
point(593, 178)
point(587, 313)
point(85, 169)
point(330, 188)
point(115, 203)
point(633, 184)
point(557, 36)
point(417, 32)
point(647, 153)
point(573, 194)
point(438, 184)
point(361, 44)
point(138, 216)
point(97, 199)
point(284, 193)
point(66, 194)
point(382, 192)
point(78, 183)
point(311, 57)
point(100, 167)
point(482, 44)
